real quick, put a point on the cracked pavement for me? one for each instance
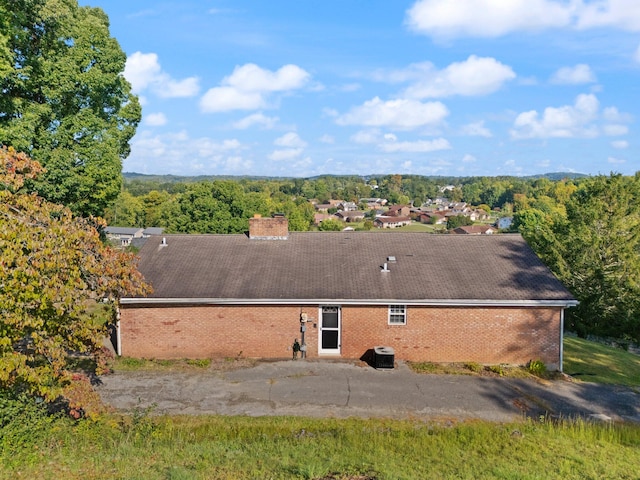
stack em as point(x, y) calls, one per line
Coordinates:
point(343, 389)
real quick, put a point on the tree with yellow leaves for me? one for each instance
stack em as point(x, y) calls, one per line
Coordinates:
point(53, 265)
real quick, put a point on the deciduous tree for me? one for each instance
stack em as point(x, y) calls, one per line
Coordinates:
point(53, 266)
point(64, 100)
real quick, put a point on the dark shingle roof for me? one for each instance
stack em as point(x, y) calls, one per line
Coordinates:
point(347, 266)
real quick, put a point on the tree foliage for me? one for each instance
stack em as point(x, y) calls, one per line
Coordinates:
point(64, 99)
point(53, 266)
point(594, 248)
point(456, 221)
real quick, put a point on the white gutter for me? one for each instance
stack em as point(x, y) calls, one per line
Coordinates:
point(560, 367)
point(343, 301)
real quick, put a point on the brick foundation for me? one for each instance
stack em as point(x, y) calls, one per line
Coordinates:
point(437, 334)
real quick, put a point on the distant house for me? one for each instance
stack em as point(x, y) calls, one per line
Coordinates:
point(398, 211)
point(474, 230)
point(323, 207)
point(350, 216)
point(373, 203)
point(432, 218)
point(391, 222)
point(343, 293)
point(125, 236)
point(318, 218)
point(347, 206)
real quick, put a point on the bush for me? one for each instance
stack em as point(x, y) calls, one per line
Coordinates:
point(537, 368)
point(24, 423)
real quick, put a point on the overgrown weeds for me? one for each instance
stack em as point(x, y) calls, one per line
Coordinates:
point(144, 445)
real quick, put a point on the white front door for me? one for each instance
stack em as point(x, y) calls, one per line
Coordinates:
point(329, 338)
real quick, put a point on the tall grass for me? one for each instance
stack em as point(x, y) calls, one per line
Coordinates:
point(210, 447)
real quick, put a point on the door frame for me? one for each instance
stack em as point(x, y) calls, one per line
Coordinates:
point(321, 328)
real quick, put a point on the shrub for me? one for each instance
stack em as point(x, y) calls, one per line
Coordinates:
point(537, 368)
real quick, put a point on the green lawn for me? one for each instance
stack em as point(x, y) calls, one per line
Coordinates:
point(594, 362)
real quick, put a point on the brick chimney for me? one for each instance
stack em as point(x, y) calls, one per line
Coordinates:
point(274, 228)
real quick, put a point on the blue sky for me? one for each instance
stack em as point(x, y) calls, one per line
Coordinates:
point(429, 87)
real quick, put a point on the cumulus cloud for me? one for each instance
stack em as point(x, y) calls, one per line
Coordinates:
point(144, 72)
point(468, 158)
point(620, 144)
point(615, 130)
point(485, 18)
point(561, 122)
point(180, 154)
point(419, 146)
point(366, 136)
point(293, 147)
point(577, 75)
point(476, 129)
point(445, 19)
point(290, 139)
point(327, 139)
point(258, 119)
point(400, 114)
point(249, 86)
point(155, 119)
point(285, 154)
point(471, 77)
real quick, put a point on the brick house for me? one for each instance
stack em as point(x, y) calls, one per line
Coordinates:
point(252, 295)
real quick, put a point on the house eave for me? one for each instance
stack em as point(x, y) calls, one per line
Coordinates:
point(564, 303)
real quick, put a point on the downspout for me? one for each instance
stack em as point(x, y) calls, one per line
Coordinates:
point(561, 338)
point(118, 337)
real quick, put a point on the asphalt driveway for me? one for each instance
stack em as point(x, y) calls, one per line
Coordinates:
point(341, 389)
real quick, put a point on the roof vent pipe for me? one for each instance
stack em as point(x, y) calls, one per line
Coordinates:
point(384, 268)
point(164, 242)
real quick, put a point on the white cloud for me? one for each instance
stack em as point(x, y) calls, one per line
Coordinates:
point(468, 158)
point(476, 129)
point(366, 136)
point(620, 144)
point(401, 114)
point(390, 137)
point(155, 119)
point(256, 119)
point(621, 14)
point(577, 75)
point(144, 72)
point(290, 139)
point(252, 78)
point(178, 153)
point(327, 139)
point(222, 99)
point(420, 146)
point(285, 154)
point(486, 18)
point(615, 130)
point(445, 19)
point(248, 87)
point(566, 121)
point(611, 114)
point(472, 77)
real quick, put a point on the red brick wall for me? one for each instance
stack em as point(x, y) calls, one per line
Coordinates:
point(268, 228)
point(438, 334)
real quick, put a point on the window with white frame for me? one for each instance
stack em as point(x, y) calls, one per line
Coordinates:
point(397, 314)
